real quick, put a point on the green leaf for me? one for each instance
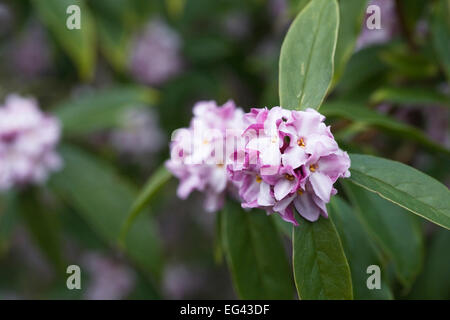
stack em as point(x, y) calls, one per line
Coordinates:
point(321, 270)
point(102, 198)
point(306, 59)
point(410, 96)
point(434, 283)
point(43, 227)
point(359, 249)
point(440, 31)
point(8, 219)
point(351, 15)
point(393, 228)
point(369, 117)
point(404, 186)
point(154, 183)
point(255, 254)
point(79, 44)
point(101, 110)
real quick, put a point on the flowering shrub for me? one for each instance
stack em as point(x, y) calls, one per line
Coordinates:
point(338, 189)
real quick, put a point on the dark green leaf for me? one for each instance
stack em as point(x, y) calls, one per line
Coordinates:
point(255, 254)
point(79, 44)
point(43, 227)
point(395, 230)
point(410, 96)
point(434, 283)
point(440, 31)
point(370, 117)
point(306, 59)
point(351, 15)
point(102, 198)
point(101, 110)
point(404, 186)
point(321, 270)
point(359, 249)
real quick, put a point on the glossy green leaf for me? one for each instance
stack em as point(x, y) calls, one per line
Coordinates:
point(403, 185)
point(393, 228)
point(159, 178)
point(410, 96)
point(434, 283)
point(306, 59)
point(101, 110)
point(359, 249)
point(79, 44)
point(321, 270)
point(255, 254)
point(103, 198)
point(369, 117)
point(440, 31)
point(351, 14)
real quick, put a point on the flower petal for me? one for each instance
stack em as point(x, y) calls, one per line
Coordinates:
point(322, 185)
point(306, 207)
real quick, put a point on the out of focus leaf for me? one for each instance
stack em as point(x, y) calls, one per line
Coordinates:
point(412, 65)
point(101, 110)
point(102, 198)
point(295, 6)
point(370, 117)
point(79, 44)
point(393, 228)
point(363, 73)
point(434, 283)
point(410, 96)
point(306, 59)
point(8, 219)
point(255, 254)
point(440, 31)
point(154, 183)
point(321, 270)
point(404, 186)
point(351, 15)
point(43, 227)
point(359, 249)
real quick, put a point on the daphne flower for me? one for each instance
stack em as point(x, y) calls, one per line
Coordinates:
point(197, 153)
point(27, 142)
point(294, 159)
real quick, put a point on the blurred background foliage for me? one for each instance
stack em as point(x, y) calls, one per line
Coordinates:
point(157, 58)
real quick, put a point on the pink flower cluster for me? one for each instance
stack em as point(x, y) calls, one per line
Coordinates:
point(278, 160)
point(291, 160)
point(198, 157)
point(27, 141)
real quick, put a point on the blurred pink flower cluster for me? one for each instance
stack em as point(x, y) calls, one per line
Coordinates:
point(198, 158)
point(27, 141)
point(156, 54)
point(273, 159)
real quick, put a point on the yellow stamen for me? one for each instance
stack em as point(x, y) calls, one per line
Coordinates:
point(300, 191)
point(205, 141)
point(258, 179)
point(301, 142)
point(313, 167)
point(220, 165)
point(289, 177)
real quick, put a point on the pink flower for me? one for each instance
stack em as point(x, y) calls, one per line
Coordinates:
point(27, 141)
point(200, 153)
point(156, 54)
point(291, 161)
